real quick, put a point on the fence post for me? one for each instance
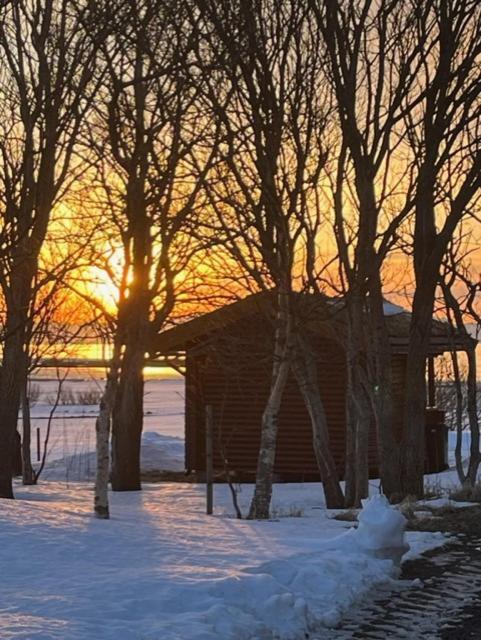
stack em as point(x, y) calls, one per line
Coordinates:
point(209, 459)
point(38, 444)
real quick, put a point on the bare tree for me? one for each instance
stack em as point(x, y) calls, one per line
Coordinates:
point(147, 136)
point(407, 94)
point(371, 61)
point(46, 84)
point(443, 133)
point(459, 292)
point(262, 69)
point(54, 319)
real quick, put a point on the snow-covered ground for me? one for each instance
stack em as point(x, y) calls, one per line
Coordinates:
point(161, 569)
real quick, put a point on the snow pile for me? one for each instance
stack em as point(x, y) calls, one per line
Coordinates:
point(315, 590)
point(381, 529)
point(290, 598)
point(391, 309)
point(161, 453)
point(158, 453)
point(444, 501)
point(422, 541)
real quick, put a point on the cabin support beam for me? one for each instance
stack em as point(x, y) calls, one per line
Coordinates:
point(431, 383)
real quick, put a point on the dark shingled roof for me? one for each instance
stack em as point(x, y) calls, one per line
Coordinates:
point(319, 313)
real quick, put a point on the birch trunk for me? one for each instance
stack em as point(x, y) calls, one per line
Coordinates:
point(304, 366)
point(102, 432)
point(260, 505)
point(261, 500)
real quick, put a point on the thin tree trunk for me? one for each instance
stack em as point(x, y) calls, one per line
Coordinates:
point(362, 453)
point(261, 500)
point(475, 457)
point(28, 476)
point(102, 432)
point(359, 421)
point(359, 406)
point(469, 477)
point(304, 366)
point(413, 447)
point(350, 468)
point(388, 444)
point(459, 418)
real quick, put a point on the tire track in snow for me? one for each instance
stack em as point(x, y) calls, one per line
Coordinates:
point(446, 606)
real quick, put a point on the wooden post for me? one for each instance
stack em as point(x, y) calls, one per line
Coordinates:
point(209, 458)
point(38, 444)
point(431, 383)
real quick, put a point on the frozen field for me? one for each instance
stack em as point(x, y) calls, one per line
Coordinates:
point(72, 437)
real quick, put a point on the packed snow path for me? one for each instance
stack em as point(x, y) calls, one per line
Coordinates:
point(446, 606)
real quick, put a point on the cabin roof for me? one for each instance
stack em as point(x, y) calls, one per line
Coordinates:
point(320, 313)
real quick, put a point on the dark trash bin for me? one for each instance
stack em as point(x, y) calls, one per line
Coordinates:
point(436, 442)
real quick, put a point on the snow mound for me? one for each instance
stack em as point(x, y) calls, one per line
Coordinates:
point(161, 453)
point(290, 598)
point(381, 529)
point(391, 309)
point(158, 453)
point(315, 590)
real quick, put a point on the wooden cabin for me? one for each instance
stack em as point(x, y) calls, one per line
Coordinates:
point(228, 362)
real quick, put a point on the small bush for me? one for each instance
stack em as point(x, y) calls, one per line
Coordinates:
point(69, 397)
point(290, 512)
point(90, 396)
point(408, 508)
point(66, 397)
point(33, 393)
point(466, 494)
point(433, 490)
